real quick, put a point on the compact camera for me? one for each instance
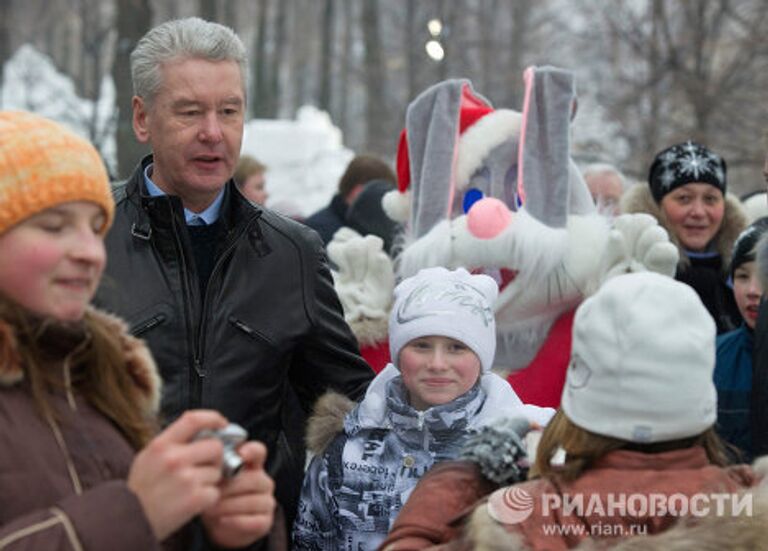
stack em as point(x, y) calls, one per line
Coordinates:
point(231, 437)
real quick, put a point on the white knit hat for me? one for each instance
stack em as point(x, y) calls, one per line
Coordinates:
point(642, 361)
point(445, 303)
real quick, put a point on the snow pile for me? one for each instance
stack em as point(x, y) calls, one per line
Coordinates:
point(31, 82)
point(305, 159)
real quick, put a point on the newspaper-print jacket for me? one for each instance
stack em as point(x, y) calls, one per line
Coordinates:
point(356, 485)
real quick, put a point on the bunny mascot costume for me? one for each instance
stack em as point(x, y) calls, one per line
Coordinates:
point(496, 191)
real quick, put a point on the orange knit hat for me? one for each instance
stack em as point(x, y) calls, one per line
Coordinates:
point(43, 164)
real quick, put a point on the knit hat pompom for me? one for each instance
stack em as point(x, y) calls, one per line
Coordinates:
point(685, 163)
point(445, 303)
point(43, 164)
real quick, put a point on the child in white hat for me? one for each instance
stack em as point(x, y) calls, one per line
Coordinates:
point(636, 426)
point(418, 411)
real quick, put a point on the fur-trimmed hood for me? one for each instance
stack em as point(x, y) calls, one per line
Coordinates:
point(327, 420)
point(138, 359)
point(639, 199)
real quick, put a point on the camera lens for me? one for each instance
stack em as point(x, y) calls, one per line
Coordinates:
point(231, 463)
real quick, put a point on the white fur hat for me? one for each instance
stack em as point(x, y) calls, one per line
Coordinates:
point(642, 361)
point(445, 303)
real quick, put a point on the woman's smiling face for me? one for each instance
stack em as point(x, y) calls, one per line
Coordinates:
point(694, 213)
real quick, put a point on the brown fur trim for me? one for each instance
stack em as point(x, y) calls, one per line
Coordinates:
point(639, 199)
point(484, 533)
point(327, 420)
point(370, 331)
point(139, 361)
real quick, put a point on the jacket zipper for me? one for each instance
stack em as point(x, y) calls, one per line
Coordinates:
point(424, 431)
point(248, 330)
point(200, 336)
point(73, 476)
point(151, 323)
point(196, 391)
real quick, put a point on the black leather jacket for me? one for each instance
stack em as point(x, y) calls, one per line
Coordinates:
point(269, 331)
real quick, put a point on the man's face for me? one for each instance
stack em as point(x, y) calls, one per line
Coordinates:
point(195, 127)
point(606, 191)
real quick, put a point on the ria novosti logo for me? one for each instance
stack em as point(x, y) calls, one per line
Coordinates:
point(510, 505)
point(513, 504)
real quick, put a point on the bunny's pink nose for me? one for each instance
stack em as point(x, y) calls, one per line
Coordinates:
point(488, 217)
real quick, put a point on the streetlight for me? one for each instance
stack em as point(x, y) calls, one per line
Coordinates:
point(435, 27)
point(434, 48)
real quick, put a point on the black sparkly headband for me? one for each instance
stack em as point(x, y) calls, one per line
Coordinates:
point(682, 164)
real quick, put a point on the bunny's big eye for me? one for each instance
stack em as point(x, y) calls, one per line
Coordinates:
point(472, 196)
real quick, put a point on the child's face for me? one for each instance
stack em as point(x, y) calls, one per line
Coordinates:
point(747, 291)
point(52, 261)
point(437, 370)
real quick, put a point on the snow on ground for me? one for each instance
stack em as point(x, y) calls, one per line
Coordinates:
point(32, 83)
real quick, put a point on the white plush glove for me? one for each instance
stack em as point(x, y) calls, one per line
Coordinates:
point(364, 278)
point(637, 243)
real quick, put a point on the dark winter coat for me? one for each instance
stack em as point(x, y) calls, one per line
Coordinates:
point(266, 340)
point(706, 275)
point(328, 220)
point(733, 381)
point(62, 480)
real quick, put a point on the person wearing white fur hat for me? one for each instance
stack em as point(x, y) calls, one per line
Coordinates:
point(418, 411)
point(636, 424)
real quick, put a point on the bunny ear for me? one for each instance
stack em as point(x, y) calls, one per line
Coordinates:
point(433, 123)
point(543, 163)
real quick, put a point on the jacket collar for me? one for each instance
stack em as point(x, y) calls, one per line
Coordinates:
point(155, 211)
point(385, 406)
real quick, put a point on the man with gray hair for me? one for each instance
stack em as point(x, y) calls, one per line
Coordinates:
point(606, 183)
point(235, 302)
